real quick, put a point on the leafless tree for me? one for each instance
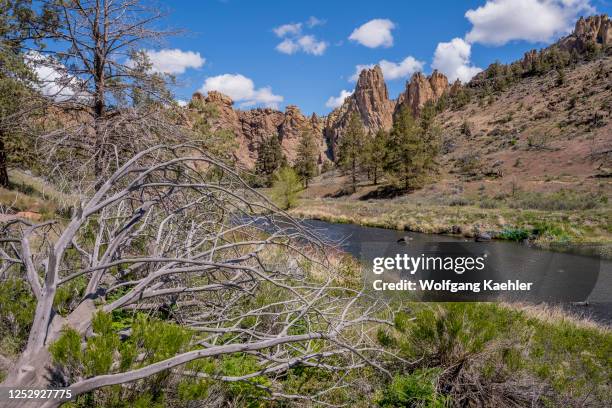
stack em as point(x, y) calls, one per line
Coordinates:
point(174, 228)
point(98, 68)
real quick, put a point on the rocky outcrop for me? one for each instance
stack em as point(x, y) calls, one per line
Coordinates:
point(251, 126)
point(454, 89)
point(593, 29)
point(422, 89)
point(370, 100)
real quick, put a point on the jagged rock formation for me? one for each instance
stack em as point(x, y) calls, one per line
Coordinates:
point(593, 29)
point(370, 100)
point(251, 126)
point(421, 89)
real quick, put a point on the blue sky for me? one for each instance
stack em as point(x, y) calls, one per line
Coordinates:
point(232, 45)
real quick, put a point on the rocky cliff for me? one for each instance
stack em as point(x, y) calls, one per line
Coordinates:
point(251, 126)
point(370, 101)
point(422, 89)
point(590, 30)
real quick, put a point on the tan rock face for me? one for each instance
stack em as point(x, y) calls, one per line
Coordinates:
point(422, 89)
point(251, 126)
point(593, 29)
point(370, 100)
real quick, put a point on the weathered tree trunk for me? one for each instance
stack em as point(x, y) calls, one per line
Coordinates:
point(4, 178)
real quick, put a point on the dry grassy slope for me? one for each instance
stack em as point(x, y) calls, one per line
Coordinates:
point(532, 136)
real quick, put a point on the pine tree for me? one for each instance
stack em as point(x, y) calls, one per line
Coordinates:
point(375, 152)
point(350, 150)
point(17, 33)
point(270, 158)
point(307, 156)
point(413, 148)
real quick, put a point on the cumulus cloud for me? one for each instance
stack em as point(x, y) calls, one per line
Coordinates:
point(54, 80)
point(288, 46)
point(288, 29)
point(335, 101)
point(500, 21)
point(392, 70)
point(181, 102)
point(294, 40)
point(453, 60)
point(313, 22)
point(242, 89)
point(375, 33)
point(307, 43)
point(174, 61)
point(310, 45)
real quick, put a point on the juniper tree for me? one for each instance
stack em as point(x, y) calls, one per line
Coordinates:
point(375, 152)
point(18, 19)
point(413, 147)
point(306, 161)
point(350, 150)
point(270, 158)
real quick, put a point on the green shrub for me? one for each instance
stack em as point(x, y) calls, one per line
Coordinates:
point(17, 305)
point(414, 390)
point(286, 188)
point(514, 234)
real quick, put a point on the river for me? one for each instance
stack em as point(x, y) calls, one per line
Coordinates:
point(557, 276)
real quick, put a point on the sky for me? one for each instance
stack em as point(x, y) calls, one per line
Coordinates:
point(306, 53)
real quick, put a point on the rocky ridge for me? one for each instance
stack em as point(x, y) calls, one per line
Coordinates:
point(251, 126)
point(370, 100)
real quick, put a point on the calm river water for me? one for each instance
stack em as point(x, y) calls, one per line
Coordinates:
point(555, 275)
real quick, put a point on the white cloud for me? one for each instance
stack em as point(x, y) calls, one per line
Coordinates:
point(310, 45)
point(313, 22)
point(500, 21)
point(306, 43)
point(393, 70)
point(288, 29)
point(174, 61)
point(375, 33)
point(54, 80)
point(335, 101)
point(241, 89)
point(287, 46)
point(453, 60)
point(294, 40)
point(181, 102)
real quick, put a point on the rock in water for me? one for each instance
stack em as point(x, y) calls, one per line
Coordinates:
point(483, 237)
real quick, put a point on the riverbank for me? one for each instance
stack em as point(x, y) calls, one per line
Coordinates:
point(544, 229)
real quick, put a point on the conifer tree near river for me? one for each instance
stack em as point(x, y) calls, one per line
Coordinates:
point(413, 147)
point(306, 161)
point(351, 148)
point(270, 158)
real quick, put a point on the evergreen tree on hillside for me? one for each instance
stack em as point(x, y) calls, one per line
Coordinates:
point(350, 150)
point(17, 99)
point(375, 152)
point(307, 156)
point(270, 158)
point(412, 149)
